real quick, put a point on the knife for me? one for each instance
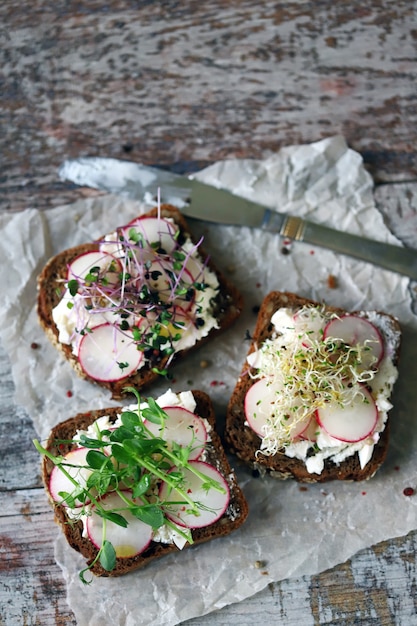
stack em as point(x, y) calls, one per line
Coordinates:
point(201, 201)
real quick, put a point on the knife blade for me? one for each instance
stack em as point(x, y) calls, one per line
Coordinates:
point(198, 200)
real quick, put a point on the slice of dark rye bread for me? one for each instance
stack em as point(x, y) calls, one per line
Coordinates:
point(232, 519)
point(244, 442)
point(228, 306)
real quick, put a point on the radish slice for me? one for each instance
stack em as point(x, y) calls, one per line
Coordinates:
point(260, 405)
point(355, 330)
point(214, 502)
point(309, 324)
point(108, 354)
point(154, 230)
point(310, 433)
point(352, 423)
point(109, 266)
point(182, 427)
point(127, 542)
point(59, 482)
point(195, 269)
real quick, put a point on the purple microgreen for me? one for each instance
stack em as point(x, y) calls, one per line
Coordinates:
point(153, 284)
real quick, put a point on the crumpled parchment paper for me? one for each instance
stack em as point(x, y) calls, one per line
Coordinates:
point(294, 532)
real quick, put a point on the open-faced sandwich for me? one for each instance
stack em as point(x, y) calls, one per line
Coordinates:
point(123, 308)
point(313, 397)
point(131, 484)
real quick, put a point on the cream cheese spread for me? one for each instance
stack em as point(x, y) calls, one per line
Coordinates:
point(290, 335)
point(185, 399)
point(73, 318)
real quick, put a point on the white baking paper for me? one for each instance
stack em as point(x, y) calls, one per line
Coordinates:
point(294, 531)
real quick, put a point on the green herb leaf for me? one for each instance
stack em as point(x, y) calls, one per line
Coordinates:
point(98, 460)
point(99, 481)
point(68, 498)
point(131, 421)
point(111, 516)
point(163, 372)
point(154, 413)
point(182, 453)
point(141, 486)
point(108, 556)
point(91, 278)
point(73, 286)
point(121, 433)
point(135, 463)
point(143, 447)
point(150, 514)
point(136, 237)
point(122, 455)
point(89, 442)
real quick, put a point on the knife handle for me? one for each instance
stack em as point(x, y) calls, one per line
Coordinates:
point(394, 258)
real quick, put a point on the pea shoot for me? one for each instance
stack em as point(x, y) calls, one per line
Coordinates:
point(129, 462)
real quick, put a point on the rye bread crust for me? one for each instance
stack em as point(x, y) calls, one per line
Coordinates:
point(243, 441)
point(233, 518)
point(228, 307)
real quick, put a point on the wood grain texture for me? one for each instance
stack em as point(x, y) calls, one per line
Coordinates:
point(180, 85)
point(183, 84)
point(375, 587)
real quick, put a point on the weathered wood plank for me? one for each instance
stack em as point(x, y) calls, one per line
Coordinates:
point(375, 587)
point(180, 85)
point(194, 82)
point(19, 461)
point(32, 590)
point(353, 593)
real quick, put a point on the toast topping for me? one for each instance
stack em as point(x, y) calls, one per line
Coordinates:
point(142, 296)
point(323, 388)
point(140, 478)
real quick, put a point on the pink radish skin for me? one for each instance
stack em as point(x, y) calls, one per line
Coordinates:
point(154, 230)
point(182, 427)
point(352, 423)
point(59, 482)
point(127, 542)
point(82, 264)
point(101, 350)
point(215, 502)
point(355, 330)
point(259, 404)
point(195, 270)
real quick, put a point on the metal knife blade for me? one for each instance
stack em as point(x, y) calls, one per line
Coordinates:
point(125, 178)
point(205, 202)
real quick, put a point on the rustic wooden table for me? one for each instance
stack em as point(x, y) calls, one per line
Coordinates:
point(180, 85)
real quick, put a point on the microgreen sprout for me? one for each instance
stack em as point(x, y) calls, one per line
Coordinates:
point(130, 461)
point(310, 370)
point(145, 289)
